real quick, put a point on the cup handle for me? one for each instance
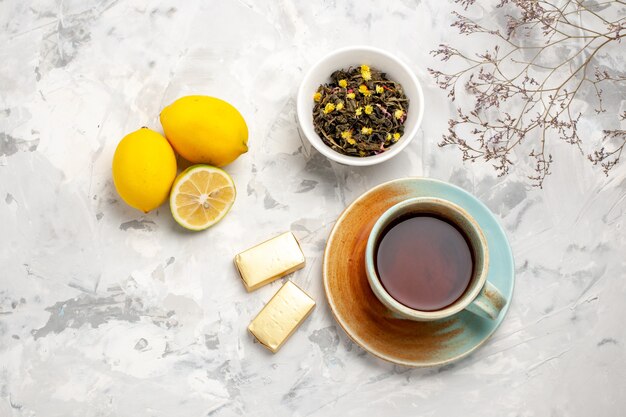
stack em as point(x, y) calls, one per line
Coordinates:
point(489, 302)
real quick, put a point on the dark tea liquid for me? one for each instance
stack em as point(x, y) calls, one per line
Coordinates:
point(424, 262)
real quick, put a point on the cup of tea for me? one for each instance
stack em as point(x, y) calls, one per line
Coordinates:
point(427, 259)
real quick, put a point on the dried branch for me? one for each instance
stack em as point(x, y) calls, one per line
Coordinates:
point(519, 95)
point(608, 158)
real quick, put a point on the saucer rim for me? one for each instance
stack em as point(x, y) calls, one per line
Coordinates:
point(365, 346)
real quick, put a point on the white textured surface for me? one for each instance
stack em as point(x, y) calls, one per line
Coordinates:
point(107, 312)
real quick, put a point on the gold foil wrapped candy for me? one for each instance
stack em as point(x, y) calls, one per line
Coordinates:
point(281, 316)
point(269, 261)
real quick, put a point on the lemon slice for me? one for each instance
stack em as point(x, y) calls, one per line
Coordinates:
point(201, 196)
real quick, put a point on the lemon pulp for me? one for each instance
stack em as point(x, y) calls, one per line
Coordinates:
point(201, 196)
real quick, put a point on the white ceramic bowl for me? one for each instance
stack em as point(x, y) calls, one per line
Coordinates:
point(354, 56)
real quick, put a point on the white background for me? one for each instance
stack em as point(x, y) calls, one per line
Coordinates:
point(108, 312)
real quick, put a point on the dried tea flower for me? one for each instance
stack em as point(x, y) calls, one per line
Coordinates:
point(360, 112)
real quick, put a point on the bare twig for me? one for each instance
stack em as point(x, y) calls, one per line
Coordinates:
point(518, 100)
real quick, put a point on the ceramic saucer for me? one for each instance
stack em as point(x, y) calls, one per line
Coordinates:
point(363, 316)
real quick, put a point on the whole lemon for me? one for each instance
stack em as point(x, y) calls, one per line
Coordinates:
point(144, 168)
point(205, 130)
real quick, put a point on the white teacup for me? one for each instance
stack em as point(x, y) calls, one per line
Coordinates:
point(480, 297)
